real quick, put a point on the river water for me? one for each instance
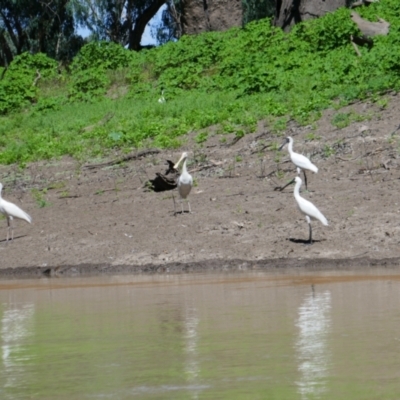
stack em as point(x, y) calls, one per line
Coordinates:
point(260, 335)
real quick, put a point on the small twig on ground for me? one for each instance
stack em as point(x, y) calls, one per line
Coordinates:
point(261, 135)
point(235, 140)
point(129, 157)
point(347, 159)
point(207, 166)
point(106, 190)
point(373, 153)
point(73, 196)
point(262, 149)
point(235, 194)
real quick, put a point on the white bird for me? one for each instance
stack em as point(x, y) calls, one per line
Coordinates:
point(11, 211)
point(162, 98)
point(307, 208)
point(185, 181)
point(300, 161)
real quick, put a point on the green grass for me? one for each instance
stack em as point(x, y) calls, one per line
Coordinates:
point(30, 136)
point(230, 79)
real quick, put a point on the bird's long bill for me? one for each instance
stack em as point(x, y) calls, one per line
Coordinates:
point(289, 183)
point(180, 160)
point(283, 145)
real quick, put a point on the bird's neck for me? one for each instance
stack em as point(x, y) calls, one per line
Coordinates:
point(297, 189)
point(290, 147)
point(184, 169)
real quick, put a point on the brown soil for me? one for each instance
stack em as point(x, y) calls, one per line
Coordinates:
point(102, 220)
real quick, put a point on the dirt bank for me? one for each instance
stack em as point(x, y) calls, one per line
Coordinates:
point(101, 219)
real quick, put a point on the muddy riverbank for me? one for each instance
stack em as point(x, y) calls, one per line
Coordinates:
point(104, 220)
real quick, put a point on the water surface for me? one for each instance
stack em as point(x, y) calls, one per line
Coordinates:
point(260, 335)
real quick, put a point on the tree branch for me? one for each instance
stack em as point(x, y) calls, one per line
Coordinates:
point(135, 34)
point(370, 28)
point(10, 29)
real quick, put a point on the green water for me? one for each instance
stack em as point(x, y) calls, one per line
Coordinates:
point(219, 336)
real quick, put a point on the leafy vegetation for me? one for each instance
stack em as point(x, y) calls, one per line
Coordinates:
point(17, 87)
point(230, 79)
point(341, 120)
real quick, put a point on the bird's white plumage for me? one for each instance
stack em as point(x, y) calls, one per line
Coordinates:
point(185, 180)
point(162, 98)
point(300, 161)
point(306, 207)
point(11, 211)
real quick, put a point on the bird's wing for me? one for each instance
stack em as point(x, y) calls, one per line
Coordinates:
point(309, 209)
point(303, 162)
point(171, 168)
point(184, 190)
point(14, 211)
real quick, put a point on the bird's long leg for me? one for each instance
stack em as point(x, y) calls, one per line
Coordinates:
point(305, 178)
point(289, 183)
point(173, 199)
point(310, 238)
point(8, 229)
point(12, 230)
point(308, 219)
point(182, 205)
point(190, 211)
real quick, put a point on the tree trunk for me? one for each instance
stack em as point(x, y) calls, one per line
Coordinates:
point(5, 61)
point(19, 37)
point(210, 15)
point(290, 12)
point(135, 34)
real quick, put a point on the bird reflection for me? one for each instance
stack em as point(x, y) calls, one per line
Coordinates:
point(192, 368)
point(16, 327)
point(313, 354)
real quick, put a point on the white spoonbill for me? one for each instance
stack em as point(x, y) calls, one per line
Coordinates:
point(307, 208)
point(11, 211)
point(162, 98)
point(185, 181)
point(300, 161)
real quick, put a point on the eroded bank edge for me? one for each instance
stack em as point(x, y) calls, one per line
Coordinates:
point(218, 265)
